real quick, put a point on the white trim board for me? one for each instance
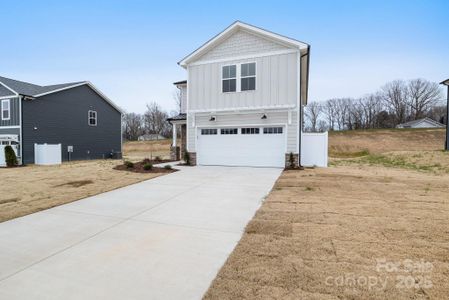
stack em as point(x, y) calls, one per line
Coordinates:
point(9, 127)
point(7, 87)
point(246, 108)
point(243, 57)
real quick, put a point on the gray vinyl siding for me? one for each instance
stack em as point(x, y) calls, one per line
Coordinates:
point(62, 118)
point(276, 84)
point(242, 119)
point(15, 113)
point(10, 131)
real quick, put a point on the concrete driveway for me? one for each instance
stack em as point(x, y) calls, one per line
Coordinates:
point(165, 238)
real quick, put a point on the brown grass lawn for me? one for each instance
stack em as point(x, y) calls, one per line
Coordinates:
point(29, 189)
point(329, 233)
point(136, 150)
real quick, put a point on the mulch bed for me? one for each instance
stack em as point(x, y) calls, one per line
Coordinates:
point(138, 168)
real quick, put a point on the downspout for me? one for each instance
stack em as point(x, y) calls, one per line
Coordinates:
point(22, 159)
point(447, 121)
point(301, 108)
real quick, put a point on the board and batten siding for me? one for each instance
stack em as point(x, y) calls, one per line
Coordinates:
point(242, 119)
point(14, 113)
point(276, 84)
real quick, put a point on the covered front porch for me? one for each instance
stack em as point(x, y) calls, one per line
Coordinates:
point(179, 125)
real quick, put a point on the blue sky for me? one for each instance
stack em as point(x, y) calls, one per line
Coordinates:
point(129, 49)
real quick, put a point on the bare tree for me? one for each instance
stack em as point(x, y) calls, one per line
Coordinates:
point(330, 110)
point(155, 120)
point(313, 111)
point(342, 112)
point(423, 95)
point(395, 97)
point(132, 126)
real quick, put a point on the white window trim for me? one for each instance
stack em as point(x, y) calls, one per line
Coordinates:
point(88, 117)
point(255, 76)
point(230, 78)
point(238, 77)
point(8, 110)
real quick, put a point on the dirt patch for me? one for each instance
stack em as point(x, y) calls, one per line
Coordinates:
point(32, 188)
point(322, 232)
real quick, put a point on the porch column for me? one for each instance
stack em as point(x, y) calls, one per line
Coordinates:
point(174, 135)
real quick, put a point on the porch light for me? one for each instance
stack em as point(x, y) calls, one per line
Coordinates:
point(264, 117)
point(212, 119)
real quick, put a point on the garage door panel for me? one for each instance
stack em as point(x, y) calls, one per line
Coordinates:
point(259, 150)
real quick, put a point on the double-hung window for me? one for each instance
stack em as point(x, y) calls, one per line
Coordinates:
point(229, 78)
point(92, 118)
point(6, 109)
point(248, 77)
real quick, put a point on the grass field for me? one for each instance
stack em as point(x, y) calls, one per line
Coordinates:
point(137, 150)
point(330, 233)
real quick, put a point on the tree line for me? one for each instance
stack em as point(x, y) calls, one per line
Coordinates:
point(394, 103)
point(152, 121)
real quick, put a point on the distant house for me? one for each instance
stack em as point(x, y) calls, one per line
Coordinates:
point(151, 137)
point(421, 123)
point(76, 115)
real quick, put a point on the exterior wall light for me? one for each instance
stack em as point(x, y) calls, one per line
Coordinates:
point(264, 117)
point(212, 119)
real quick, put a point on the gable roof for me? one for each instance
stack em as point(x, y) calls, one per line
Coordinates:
point(33, 90)
point(416, 122)
point(29, 89)
point(4, 91)
point(234, 27)
point(445, 82)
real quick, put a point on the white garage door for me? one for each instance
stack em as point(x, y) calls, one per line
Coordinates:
point(237, 146)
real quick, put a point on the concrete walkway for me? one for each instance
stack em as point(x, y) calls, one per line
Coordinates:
point(165, 238)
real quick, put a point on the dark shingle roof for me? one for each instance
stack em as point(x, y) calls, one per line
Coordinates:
point(29, 89)
point(179, 117)
point(180, 82)
point(5, 92)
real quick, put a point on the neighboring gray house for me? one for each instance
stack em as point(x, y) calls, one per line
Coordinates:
point(72, 114)
point(421, 123)
point(243, 98)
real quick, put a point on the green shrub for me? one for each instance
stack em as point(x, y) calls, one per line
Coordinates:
point(10, 157)
point(187, 158)
point(167, 167)
point(129, 164)
point(147, 166)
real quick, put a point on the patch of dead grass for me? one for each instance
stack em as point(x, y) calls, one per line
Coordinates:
point(299, 241)
point(33, 188)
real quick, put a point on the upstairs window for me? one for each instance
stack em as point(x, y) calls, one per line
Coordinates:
point(6, 109)
point(229, 78)
point(92, 120)
point(248, 77)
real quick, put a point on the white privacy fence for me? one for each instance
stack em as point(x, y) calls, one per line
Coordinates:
point(47, 154)
point(2, 154)
point(314, 149)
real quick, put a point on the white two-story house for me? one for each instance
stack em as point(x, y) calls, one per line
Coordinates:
point(241, 103)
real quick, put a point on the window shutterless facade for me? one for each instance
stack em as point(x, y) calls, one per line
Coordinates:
point(92, 118)
point(272, 130)
point(229, 131)
point(250, 130)
point(248, 77)
point(6, 109)
point(229, 78)
point(208, 131)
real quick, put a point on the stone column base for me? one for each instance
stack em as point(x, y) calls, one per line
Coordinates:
point(174, 153)
point(192, 158)
point(291, 160)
